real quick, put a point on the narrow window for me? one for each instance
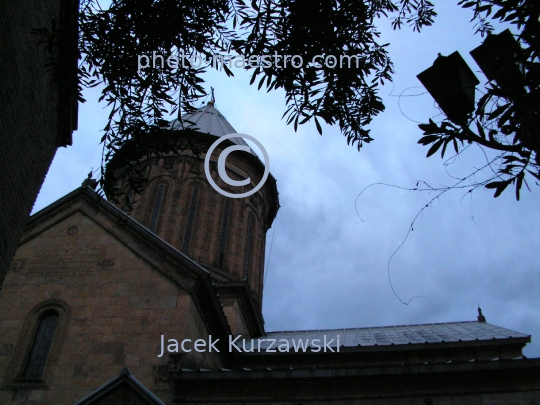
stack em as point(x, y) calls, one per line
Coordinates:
point(128, 205)
point(36, 354)
point(223, 235)
point(249, 247)
point(190, 220)
point(155, 209)
point(41, 346)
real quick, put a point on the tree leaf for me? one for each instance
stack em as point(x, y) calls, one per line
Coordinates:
point(498, 111)
point(481, 130)
point(318, 125)
point(519, 183)
point(499, 186)
point(425, 140)
point(435, 147)
point(537, 175)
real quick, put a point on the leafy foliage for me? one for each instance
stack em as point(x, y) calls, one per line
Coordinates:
point(507, 118)
point(309, 28)
point(110, 43)
point(112, 39)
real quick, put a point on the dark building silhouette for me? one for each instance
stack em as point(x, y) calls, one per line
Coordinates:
point(38, 105)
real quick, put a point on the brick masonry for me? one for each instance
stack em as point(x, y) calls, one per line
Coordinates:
point(179, 174)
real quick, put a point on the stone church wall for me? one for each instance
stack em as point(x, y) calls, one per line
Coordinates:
point(119, 307)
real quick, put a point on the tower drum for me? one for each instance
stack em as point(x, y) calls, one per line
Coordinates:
point(225, 235)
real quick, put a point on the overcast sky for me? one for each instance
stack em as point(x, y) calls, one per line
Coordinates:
point(328, 268)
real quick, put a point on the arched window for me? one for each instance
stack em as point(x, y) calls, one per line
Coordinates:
point(36, 354)
point(192, 210)
point(42, 345)
point(156, 208)
point(249, 246)
point(128, 204)
point(224, 230)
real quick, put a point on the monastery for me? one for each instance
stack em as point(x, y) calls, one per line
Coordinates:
point(159, 302)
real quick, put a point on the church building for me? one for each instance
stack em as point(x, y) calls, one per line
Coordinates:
point(159, 302)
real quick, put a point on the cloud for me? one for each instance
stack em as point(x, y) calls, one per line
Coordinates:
point(327, 268)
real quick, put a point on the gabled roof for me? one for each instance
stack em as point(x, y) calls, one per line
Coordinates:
point(208, 120)
point(123, 387)
point(400, 335)
point(162, 257)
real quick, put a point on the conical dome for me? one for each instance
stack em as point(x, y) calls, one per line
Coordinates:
point(225, 235)
point(208, 120)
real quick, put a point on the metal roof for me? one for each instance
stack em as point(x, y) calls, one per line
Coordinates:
point(395, 335)
point(208, 120)
point(465, 364)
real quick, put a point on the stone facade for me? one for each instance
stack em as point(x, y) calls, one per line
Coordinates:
point(37, 112)
point(120, 293)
